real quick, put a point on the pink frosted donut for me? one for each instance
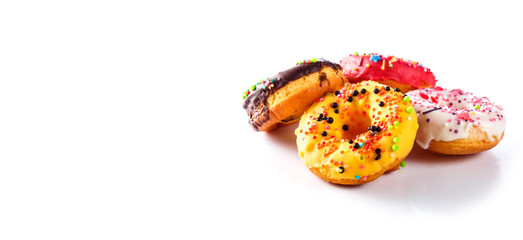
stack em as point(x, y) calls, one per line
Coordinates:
point(456, 122)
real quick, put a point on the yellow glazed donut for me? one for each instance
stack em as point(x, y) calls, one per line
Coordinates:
point(355, 135)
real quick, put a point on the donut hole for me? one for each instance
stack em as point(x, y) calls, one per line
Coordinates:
point(358, 124)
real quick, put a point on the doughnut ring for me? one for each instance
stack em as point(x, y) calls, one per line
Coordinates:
point(356, 134)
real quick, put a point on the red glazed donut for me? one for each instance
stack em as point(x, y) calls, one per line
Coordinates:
point(396, 72)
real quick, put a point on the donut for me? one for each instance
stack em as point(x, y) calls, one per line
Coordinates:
point(284, 97)
point(456, 122)
point(356, 134)
point(396, 72)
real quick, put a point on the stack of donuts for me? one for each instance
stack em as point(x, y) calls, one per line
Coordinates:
point(360, 118)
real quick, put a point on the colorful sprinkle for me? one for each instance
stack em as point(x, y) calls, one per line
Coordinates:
point(403, 164)
point(395, 147)
point(375, 58)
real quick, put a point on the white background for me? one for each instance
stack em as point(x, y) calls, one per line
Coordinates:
point(124, 120)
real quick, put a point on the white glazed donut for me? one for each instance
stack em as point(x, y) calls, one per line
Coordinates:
point(456, 122)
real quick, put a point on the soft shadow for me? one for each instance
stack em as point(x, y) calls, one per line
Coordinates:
point(284, 135)
point(440, 182)
point(435, 183)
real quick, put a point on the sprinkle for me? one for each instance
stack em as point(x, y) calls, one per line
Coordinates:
point(410, 109)
point(341, 169)
point(367, 65)
point(431, 110)
point(395, 147)
point(314, 60)
point(253, 87)
point(396, 123)
point(381, 104)
point(357, 177)
point(376, 90)
point(356, 54)
point(375, 58)
point(477, 107)
point(396, 139)
point(403, 164)
point(324, 133)
point(406, 98)
point(464, 116)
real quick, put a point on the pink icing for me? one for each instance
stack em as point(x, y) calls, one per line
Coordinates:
point(360, 67)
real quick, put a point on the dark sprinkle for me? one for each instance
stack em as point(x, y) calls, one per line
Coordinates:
point(324, 133)
point(363, 91)
point(382, 104)
point(349, 99)
point(334, 105)
point(378, 151)
point(397, 90)
point(320, 118)
point(387, 88)
point(330, 120)
point(345, 127)
point(356, 145)
point(376, 90)
point(351, 142)
point(355, 93)
point(336, 111)
point(428, 119)
point(337, 93)
point(377, 157)
point(342, 169)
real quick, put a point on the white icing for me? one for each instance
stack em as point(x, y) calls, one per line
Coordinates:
point(449, 121)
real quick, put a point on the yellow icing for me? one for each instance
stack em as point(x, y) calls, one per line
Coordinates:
point(334, 150)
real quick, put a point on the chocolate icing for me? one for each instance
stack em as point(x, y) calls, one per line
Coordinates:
point(256, 102)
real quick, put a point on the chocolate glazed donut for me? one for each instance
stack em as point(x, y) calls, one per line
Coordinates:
point(284, 97)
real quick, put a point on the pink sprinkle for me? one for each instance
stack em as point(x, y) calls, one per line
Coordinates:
point(328, 127)
point(364, 178)
point(464, 116)
point(450, 120)
point(361, 167)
